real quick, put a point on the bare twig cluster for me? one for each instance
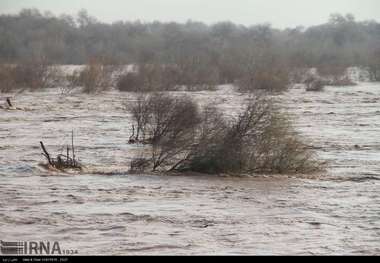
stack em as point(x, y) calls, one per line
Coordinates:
point(62, 161)
point(168, 124)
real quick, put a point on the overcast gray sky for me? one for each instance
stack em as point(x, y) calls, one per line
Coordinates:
point(280, 13)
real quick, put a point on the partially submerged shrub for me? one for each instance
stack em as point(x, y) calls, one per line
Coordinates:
point(149, 78)
point(8, 83)
point(141, 111)
point(30, 76)
point(154, 78)
point(53, 77)
point(374, 69)
point(373, 62)
point(94, 78)
point(315, 84)
point(299, 75)
point(343, 81)
point(260, 140)
point(131, 82)
point(72, 81)
point(206, 155)
point(280, 149)
point(33, 76)
point(374, 73)
point(194, 74)
point(169, 124)
point(263, 69)
point(335, 75)
point(268, 79)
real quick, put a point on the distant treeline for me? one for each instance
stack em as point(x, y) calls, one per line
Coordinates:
point(72, 40)
point(224, 52)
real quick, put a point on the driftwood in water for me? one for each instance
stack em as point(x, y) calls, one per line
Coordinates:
point(62, 162)
point(46, 153)
point(9, 103)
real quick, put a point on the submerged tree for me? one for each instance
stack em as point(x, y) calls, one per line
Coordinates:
point(259, 140)
point(168, 124)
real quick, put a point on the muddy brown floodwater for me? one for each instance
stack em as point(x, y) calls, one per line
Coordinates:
point(105, 210)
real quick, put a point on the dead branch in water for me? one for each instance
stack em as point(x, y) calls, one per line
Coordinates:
point(9, 102)
point(62, 162)
point(46, 153)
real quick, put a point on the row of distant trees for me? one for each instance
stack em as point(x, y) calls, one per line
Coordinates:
point(223, 48)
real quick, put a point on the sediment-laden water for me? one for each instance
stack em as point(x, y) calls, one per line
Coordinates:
point(105, 210)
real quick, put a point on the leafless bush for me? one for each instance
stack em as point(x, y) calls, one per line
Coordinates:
point(169, 125)
point(343, 81)
point(7, 80)
point(94, 78)
point(174, 132)
point(146, 79)
point(207, 154)
point(263, 68)
point(53, 77)
point(149, 78)
point(131, 82)
point(31, 75)
point(197, 75)
point(372, 63)
point(260, 140)
point(280, 149)
point(315, 84)
point(71, 82)
point(141, 113)
point(268, 79)
point(335, 75)
point(299, 75)
point(154, 78)
point(374, 72)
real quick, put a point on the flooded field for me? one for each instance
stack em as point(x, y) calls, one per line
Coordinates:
point(105, 210)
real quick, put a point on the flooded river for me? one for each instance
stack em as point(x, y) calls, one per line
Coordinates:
point(105, 210)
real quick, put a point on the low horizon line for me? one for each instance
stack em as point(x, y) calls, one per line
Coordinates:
point(185, 21)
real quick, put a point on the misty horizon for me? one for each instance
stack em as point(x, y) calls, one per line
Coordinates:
point(279, 15)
